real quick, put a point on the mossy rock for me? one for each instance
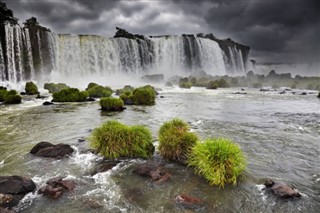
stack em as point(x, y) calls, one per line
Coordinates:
point(3, 94)
point(212, 85)
point(127, 97)
point(70, 95)
point(111, 104)
point(12, 97)
point(98, 91)
point(144, 95)
point(219, 161)
point(116, 140)
point(176, 140)
point(52, 87)
point(124, 89)
point(31, 88)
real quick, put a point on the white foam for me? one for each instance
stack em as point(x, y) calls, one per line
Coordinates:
point(84, 160)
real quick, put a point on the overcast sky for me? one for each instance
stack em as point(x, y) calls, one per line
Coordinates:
point(276, 30)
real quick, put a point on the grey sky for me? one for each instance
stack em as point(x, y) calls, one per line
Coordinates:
point(276, 30)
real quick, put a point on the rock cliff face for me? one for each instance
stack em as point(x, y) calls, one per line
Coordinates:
point(32, 52)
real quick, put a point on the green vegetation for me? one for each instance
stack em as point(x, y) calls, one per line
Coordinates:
point(219, 161)
point(31, 88)
point(114, 140)
point(98, 91)
point(111, 104)
point(127, 97)
point(176, 140)
point(124, 89)
point(70, 95)
point(52, 87)
point(273, 79)
point(9, 97)
point(185, 83)
point(144, 95)
point(212, 85)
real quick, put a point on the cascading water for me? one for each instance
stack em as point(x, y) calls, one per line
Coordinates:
point(33, 54)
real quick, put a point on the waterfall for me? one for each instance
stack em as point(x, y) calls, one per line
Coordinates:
point(33, 54)
point(2, 66)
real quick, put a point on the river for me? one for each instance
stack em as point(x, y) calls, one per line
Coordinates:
point(279, 135)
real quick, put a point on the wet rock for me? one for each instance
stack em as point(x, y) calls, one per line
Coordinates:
point(303, 93)
point(281, 190)
point(282, 92)
point(187, 199)
point(90, 99)
point(81, 140)
point(13, 189)
point(56, 187)
point(161, 96)
point(153, 171)
point(46, 149)
point(47, 103)
point(41, 96)
point(104, 166)
point(5, 210)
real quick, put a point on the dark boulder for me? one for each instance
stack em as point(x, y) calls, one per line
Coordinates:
point(156, 173)
point(13, 189)
point(46, 103)
point(281, 190)
point(46, 149)
point(56, 187)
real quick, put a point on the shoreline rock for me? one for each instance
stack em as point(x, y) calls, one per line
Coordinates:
point(13, 189)
point(56, 187)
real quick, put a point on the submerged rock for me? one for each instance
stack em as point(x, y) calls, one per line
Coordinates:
point(187, 199)
point(156, 173)
point(56, 187)
point(13, 189)
point(104, 166)
point(46, 149)
point(5, 210)
point(281, 190)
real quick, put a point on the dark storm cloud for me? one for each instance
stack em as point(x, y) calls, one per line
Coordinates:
point(284, 30)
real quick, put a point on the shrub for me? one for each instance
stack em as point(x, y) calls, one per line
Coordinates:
point(219, 160)
point(144, 95)
point(70, 95)
point(31, 88)
point(175, 140)
point(98, 91)
point(111, 104)
point(11, 97)
point(114, 140)
point(212, 85)
point(222, 83)
point(52, 87)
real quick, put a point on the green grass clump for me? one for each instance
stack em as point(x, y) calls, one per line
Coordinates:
point(70, 95)
point(219, 161)
point(98, 91)
point(176, 140)
point(31, 88)
point(111, 104)
point(52, 87)
point(144, 95)
point(114, 140)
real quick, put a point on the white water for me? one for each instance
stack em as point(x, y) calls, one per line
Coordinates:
point(66, 58)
